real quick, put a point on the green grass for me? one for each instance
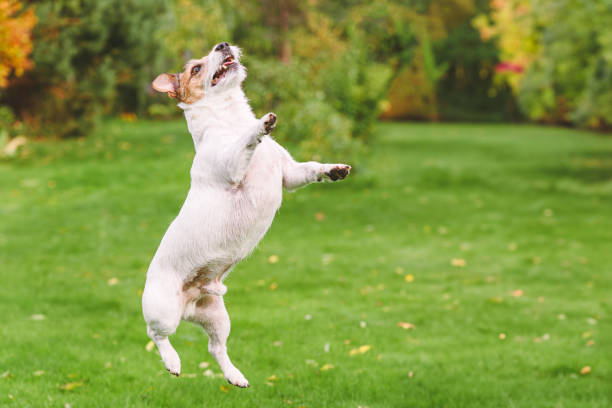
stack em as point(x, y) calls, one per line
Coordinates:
point(529, 210)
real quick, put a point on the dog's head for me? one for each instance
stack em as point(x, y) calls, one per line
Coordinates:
point(212, 74)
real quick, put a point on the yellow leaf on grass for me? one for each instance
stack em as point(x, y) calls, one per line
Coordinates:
point(225, 388)
point(458, 262)
point(406, 325)
point(273, 259)
point(273, 286)
point(409, 278)
point(319, 216)
point(150, 345)
point(517, 293)
point(71, 386)
point(326, 367)
point(585, 370)
point(113, 281)
point(38, 373)
point(273, 377)
point(360, 350)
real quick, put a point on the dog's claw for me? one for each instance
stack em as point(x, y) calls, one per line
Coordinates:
point(176, 374)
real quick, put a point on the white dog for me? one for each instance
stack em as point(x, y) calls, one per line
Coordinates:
point(237, 178)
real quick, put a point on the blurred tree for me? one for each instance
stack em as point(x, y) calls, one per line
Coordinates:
point(467, 89)
point(90, 56)
point(15, 39)
point(557, 56)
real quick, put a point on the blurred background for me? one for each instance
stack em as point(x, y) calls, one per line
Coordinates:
point(329, 69)
point(460, 265)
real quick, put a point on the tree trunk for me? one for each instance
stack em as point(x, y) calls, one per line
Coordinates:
point(285, 51)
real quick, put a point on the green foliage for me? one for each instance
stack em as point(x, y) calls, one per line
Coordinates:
point(467, 90)
point(563, 47)
point(90, 57)
point(307, 120)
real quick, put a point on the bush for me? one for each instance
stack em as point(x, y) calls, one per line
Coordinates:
point(90, 56)
point(307, 119)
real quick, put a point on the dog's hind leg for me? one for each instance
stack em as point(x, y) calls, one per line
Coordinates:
point(211, 314)
point(162, 308)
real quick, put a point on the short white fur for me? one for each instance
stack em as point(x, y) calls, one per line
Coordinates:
point(237, 177)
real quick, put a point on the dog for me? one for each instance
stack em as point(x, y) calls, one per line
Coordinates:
point(237, 177)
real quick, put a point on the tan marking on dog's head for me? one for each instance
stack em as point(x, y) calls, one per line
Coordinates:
point(187, 86)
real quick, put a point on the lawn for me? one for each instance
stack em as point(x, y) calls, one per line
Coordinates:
point(490, 245)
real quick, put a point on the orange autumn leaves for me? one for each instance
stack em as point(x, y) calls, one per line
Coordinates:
point(15, 39)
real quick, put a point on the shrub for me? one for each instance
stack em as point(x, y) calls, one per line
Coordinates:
point(90, 56)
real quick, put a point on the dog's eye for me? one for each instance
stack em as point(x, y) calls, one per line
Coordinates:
point(195, 70)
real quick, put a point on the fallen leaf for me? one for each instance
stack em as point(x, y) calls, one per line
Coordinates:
point(320, 216)
point(277, 343)
point(208, 373)
point(273, 259)
point(458, 262)
point(590, 343)
point(517, 293)
point(502, 336)
point(273, 377)
point(360, 350)
point(71, 386)
point(585, 370)
point(37, 317)
point(113, 281)
point(326, 259)
point(150, 345)
point(225, 388)
point(327, 367)
point(273, 286)
point(362, 324)
point(406, 325)
point(203, 365)
point(409, 278)
point(38, 373)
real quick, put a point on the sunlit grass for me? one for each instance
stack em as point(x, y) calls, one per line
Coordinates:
point(460, 266)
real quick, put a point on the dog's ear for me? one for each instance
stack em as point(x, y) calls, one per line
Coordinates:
point(166, 83)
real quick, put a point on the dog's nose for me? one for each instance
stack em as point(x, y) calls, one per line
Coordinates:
point(221, 46)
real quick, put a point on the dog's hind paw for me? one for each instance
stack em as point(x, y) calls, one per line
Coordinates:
point(172, 363)
point(236, 378)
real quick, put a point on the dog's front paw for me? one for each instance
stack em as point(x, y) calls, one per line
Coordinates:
point(338, 171)
point(269, 123)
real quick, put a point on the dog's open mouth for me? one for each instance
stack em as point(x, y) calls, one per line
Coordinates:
point(227, 63)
